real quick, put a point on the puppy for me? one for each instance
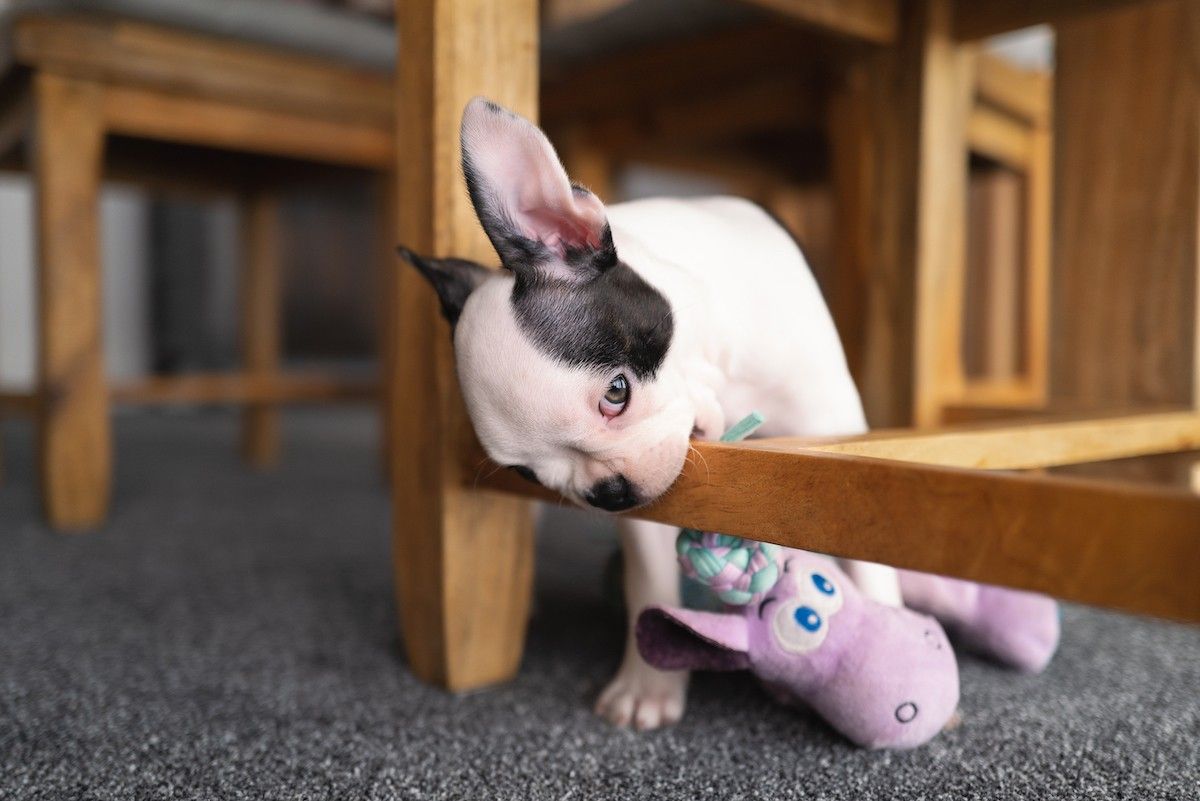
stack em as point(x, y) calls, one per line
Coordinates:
point(616, 335)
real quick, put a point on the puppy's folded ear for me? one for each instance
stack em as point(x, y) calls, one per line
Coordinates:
point(452, 279)
point(540, 224)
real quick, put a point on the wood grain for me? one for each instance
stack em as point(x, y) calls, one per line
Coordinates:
point(1127, 547)
point(766, 104)
point(1019, 447)
point(131, 53)
point(1000, 138)
point(1126, 208)
point(74, 435)
point(1038, 252)
point(247, 388)
point(852, 142)
point(992, 313)
point(261, 326)
point(1011, 124)
point(1013, 90)
point(903, 211)
point(150, 114)
point(978, 20)
point(463, 559)
point(948, 93)
point(873, 21)
point(641, 79)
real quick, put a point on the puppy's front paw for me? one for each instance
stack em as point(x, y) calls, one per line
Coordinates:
point(642, 697)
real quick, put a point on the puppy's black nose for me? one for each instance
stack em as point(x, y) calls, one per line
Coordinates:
point(612, 494)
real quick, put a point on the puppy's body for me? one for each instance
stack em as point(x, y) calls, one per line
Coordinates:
point(615, 336)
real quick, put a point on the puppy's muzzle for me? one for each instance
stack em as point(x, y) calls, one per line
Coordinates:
point(612, 494)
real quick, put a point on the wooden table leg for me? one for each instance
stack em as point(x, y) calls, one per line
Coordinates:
point(260, 311)
point(463, 558)
point(75, 439)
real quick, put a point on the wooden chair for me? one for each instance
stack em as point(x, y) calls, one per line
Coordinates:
point(951, 502)
point(108, 95)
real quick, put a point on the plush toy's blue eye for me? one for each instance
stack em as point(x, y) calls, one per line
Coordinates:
point(824, 585)
point(807, 618)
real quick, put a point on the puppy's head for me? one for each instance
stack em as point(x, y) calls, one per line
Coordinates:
point(564, 356)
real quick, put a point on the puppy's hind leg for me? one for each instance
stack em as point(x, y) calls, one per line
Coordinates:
point(639, 695)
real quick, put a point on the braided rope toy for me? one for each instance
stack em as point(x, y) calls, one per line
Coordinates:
point(739, 571)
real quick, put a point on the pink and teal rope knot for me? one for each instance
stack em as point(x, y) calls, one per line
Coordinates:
point(738, 570)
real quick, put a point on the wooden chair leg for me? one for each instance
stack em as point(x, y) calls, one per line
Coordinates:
point(463, 558)
point(260, 313)
point(386, 282)
point(902, 212)
point(74, 430)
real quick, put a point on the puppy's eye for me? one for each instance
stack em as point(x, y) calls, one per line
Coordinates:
point(616, 397)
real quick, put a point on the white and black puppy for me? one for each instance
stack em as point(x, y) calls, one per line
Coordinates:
point(617, 335)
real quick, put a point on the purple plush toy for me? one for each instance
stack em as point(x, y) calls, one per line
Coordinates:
point(883, 677)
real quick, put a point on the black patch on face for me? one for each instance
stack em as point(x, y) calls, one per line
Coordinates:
point(615, 320)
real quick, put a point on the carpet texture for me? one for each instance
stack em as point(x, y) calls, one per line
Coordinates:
point(231, 634)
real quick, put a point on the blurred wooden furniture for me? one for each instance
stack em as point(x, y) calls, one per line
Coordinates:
point(94, 96)
point(1005, 282)
point(928, 500)
point(758, 82)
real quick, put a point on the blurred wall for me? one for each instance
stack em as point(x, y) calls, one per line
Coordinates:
point(124, 215)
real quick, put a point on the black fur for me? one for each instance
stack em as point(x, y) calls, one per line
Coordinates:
point(452, 279)
point(614, 321)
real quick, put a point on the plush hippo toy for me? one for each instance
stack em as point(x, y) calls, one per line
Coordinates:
point(884, 677)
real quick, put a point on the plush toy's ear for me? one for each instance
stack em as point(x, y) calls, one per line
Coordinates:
point(541, 224)
point(683, 639)
point(452, 279)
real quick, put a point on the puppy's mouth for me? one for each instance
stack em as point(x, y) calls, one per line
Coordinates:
point(617, 494)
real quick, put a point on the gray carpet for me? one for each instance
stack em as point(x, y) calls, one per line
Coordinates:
point(232, 635)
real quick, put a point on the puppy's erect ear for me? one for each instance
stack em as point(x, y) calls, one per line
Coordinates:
point(540, 224)
point(452, 279)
